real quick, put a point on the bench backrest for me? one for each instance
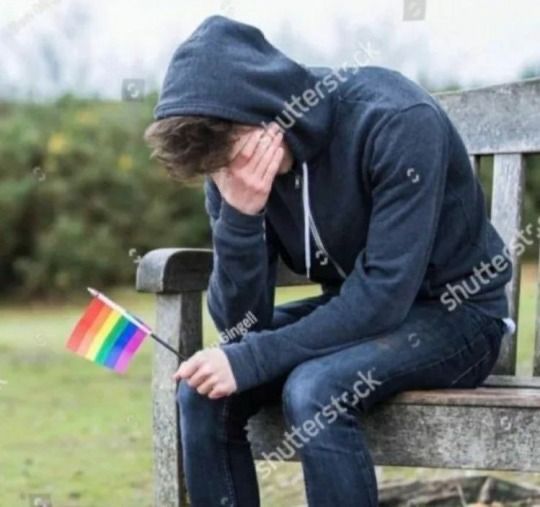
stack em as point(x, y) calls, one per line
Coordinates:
point(503, 121)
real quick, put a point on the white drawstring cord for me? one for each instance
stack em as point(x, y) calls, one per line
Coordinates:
point(307, 216)
point(510, 325)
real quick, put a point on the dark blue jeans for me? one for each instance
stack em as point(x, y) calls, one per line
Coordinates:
point(321, 398)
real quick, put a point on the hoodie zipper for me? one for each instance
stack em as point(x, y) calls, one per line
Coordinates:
point(317, 237)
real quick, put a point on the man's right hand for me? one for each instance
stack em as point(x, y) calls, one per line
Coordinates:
point(247, 181)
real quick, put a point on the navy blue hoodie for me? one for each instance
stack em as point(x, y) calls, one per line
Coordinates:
point(381, 206)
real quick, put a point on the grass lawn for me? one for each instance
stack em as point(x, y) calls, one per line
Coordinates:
point(82, 434)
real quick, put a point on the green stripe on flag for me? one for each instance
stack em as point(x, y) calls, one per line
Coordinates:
point(116, 331)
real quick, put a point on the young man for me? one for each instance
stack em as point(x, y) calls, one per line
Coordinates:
point(359, 181)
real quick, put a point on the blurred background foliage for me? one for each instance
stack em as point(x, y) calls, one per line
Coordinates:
point(80, 201)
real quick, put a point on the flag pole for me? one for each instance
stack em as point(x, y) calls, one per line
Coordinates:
point(135, 321)
point(167, 346)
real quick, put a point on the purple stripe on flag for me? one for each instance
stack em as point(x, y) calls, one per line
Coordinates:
point(128, 352)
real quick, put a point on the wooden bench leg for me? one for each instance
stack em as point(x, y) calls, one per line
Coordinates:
point(179, 322)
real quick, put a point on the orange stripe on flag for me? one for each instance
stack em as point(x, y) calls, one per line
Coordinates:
point(84, 323)
point(92, 331)
point(102, 334)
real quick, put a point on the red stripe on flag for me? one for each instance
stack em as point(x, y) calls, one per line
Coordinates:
point(91, 312)
point(92, 331)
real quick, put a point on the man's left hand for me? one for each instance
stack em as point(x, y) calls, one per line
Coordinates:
point(209, 372)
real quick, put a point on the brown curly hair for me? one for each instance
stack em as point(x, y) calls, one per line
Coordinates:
point(189, 146)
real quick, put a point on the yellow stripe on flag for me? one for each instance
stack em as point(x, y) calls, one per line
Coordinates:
point(101, 335)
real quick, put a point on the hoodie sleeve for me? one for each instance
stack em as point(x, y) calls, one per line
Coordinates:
point(408, 165)
point(244, 267)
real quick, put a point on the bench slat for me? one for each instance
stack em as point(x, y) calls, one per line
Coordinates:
point(179, 323)
point(174, 270)
point(480, 397)
point(432, 436)
point(497, 119)
point(506, 206)
point(511, 381)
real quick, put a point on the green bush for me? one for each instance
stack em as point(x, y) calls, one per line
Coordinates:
point(80, 201)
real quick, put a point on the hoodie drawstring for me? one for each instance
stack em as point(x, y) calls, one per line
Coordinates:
point(307, 217)
point(310, 226)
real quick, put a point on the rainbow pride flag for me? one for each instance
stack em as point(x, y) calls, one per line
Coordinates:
point(107, 334)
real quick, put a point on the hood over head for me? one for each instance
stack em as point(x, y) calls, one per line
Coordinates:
point(227, 69)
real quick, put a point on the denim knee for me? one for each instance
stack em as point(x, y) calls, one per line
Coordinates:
point(311, 393)
point(303, 395)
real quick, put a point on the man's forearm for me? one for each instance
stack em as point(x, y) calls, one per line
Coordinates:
point(241, 286)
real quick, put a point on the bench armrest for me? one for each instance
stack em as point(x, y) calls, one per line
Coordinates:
point(177, 270)
point(174, 270)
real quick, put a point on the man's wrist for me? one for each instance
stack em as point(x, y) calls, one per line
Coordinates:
point(242, 364)
point(237, 218)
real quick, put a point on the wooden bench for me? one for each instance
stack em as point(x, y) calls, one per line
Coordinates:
point(496, 426)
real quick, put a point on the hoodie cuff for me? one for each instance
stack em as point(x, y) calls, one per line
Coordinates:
point(242, 364)
point(237, 218)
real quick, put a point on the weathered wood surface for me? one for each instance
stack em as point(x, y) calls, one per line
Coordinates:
point(511, 381)
point(517, 397)
point(427, 435)
point(174, 270)
point(497, 119)
point(179, 323)
point(508, 175)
